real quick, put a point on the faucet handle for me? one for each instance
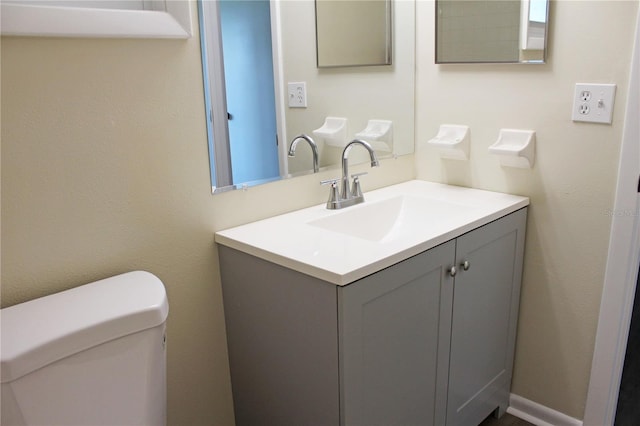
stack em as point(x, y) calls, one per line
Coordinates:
point(334, 196)
point(330, 181)
point(356, 191)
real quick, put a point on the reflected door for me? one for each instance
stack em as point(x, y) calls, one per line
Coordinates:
point(248, 69)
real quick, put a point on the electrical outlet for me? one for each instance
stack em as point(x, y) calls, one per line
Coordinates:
point(297, 94)
point(584, 109)
point(585, 95)
point(593, 102)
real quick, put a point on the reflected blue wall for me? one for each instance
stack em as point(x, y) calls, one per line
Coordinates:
point(248, 66)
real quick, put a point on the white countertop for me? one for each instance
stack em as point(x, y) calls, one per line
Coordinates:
point(293, 241)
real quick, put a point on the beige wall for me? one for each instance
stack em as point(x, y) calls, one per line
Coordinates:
point(571, 185)
point(105, 170)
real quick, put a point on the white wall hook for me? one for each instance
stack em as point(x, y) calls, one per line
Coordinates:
point(379, 133)
point(515, 148)
point(452, 141)
point(333, 131)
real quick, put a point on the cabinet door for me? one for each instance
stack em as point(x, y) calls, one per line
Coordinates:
point(485, 309)
point(394, 342)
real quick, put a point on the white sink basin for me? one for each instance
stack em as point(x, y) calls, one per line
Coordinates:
point(390, 218)
point(393, 224)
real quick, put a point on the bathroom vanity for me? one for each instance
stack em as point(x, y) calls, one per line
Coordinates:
point(411, 323)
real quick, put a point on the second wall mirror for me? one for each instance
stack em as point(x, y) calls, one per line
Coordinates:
point(489, 31)
point(353, 32)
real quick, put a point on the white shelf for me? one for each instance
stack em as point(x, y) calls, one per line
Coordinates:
point(515, 148)
point(452, 141)
point(333, 131)
point(379, 133)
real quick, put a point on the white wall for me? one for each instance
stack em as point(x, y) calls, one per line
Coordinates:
point(571, 185)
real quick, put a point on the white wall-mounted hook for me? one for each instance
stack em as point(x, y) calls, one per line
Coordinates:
point(379, 133)
point(515, 148)
point(452, 141)
point(333, 131)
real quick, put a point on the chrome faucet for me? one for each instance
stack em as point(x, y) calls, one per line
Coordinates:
point(314, 149)
point(348, 197)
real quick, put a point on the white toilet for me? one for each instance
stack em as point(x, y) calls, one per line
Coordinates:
point(92, 355)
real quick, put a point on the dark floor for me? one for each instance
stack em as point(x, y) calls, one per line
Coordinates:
point(506, 420)
point(628, 412)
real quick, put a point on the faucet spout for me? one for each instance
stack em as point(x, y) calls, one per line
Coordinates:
point(312, 144)
point(345, 193)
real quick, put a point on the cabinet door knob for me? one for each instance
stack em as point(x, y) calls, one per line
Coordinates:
point(453, 271)
point(465, 265)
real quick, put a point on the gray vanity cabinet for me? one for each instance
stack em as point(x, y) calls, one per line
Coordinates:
point(394, 339)
point(413, 344)
point(484, 318)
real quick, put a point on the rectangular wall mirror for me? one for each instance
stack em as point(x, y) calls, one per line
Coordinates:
point(488, 31)
point(250, 123)
point(353, 32)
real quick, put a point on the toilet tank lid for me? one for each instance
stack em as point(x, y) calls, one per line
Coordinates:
point(41, 331)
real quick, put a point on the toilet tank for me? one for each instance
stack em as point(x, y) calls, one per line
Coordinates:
point(92, 355)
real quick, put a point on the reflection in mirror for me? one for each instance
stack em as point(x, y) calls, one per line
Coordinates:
point(477, 31)
point(260, 144)
point(242, 96)
point(353, 32)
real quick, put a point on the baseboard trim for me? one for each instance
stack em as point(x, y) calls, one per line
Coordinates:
point(537, 414)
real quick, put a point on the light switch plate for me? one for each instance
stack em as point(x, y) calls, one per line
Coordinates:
point(593, 103)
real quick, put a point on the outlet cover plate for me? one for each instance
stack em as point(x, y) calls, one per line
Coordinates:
point(593, 103)
point(297, 94)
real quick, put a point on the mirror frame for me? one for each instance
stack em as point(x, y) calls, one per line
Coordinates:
point(61, 21)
